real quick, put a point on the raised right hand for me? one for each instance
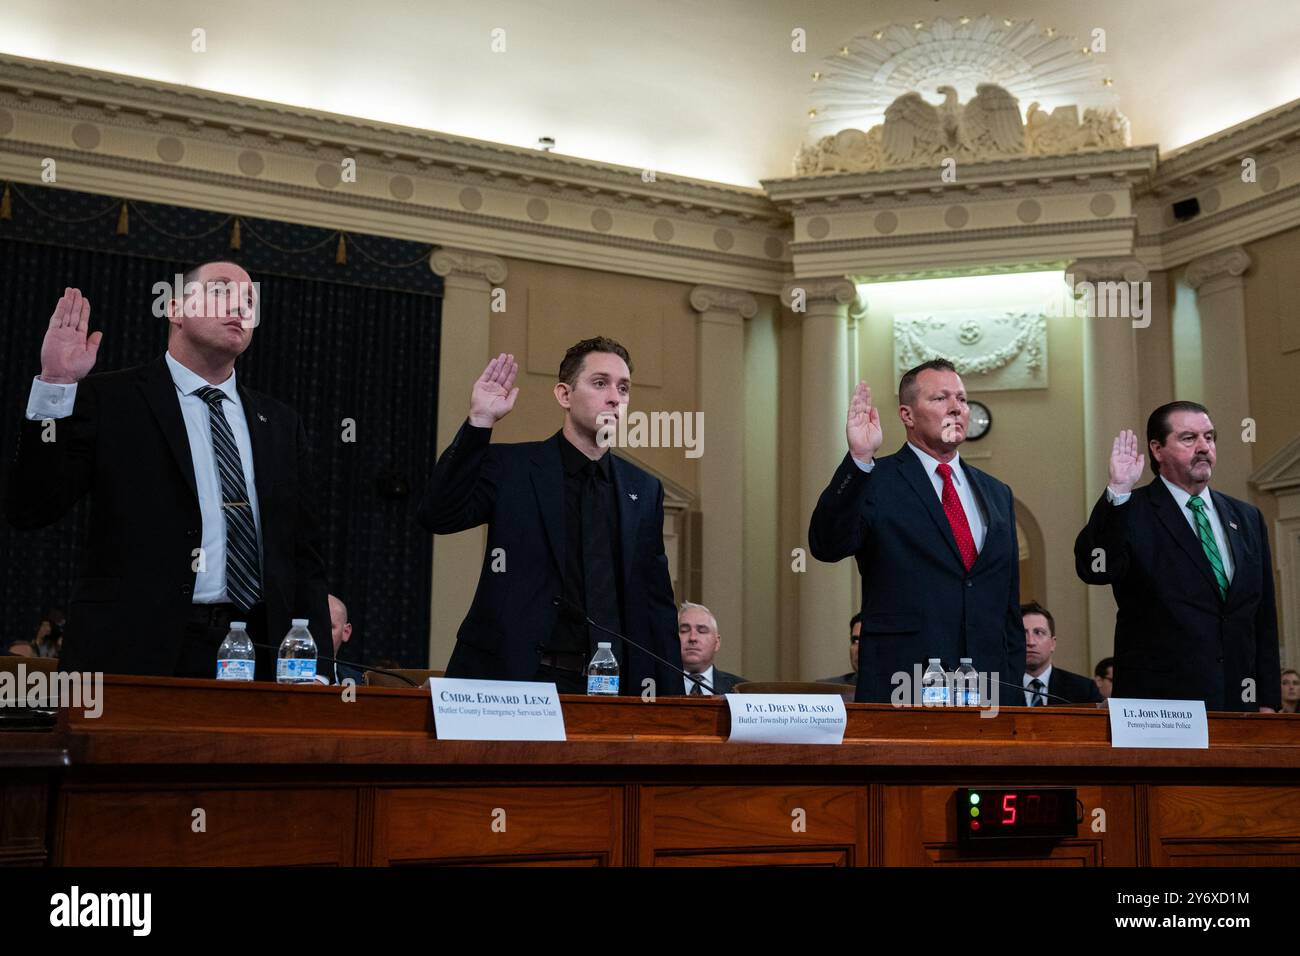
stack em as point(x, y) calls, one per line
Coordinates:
point(1125, 463)
point(863, 428)
point(494, 393)
point(67, 354)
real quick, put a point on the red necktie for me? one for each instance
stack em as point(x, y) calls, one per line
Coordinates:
point(957, 517)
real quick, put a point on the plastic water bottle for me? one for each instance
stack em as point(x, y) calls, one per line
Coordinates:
point(297, 661)
point(235, 658)
point(968, 684)
point(934, 685)
point(602, 672)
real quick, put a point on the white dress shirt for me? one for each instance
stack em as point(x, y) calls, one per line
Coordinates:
point(50, 400)
point(706, 676)
point(1045, 677)
point(1181, 498)
point(965, 493)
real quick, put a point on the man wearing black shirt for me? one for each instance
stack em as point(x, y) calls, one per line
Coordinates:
point(573, 532)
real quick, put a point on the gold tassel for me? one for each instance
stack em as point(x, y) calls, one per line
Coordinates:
point(123, 221)
point(235, 242)
point(6, 205)
point(341, 256)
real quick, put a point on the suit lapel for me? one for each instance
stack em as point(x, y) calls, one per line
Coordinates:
point(548, 484)
point(631, 506)
point(164, 401)
point(995, 522)
point(1168, 512)
point(259, 436)
point(913, 471)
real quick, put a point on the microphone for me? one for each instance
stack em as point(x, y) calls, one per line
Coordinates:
point(275, 649)
point(575, 614)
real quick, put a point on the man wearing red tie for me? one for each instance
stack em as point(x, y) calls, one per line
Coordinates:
point(934, 538)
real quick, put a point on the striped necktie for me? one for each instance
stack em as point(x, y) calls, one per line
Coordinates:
point(243, 577)
point(1037, 699)
point(1208, 544)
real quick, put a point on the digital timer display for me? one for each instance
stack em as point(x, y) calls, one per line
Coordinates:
point(1016, 814)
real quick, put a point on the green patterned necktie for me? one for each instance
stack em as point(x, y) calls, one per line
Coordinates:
point(1206, 534)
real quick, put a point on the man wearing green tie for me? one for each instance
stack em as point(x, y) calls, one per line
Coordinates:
point(1191, 572)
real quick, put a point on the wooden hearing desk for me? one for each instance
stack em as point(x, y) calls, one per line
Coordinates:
point(181, 773)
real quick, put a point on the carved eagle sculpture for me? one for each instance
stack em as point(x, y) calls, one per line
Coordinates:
point(989, 126)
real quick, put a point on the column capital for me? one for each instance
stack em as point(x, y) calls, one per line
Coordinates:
point(712, 298)
point(464, 263)
point(835, 290)
point(1228, 263)
point(1127, 268)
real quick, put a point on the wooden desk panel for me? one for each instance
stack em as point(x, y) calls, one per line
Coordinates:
point(637, 783)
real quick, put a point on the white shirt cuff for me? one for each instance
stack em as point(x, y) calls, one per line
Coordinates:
point(866, 466)
point(50, 400)
point(1117, 499)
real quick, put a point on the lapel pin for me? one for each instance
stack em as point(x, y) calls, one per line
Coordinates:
point(262, 418)
point(632, 496)
point(1232, 525)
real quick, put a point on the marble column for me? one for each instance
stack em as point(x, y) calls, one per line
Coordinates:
point(826, 598)
point(1221, 303)
point(721, 376)
point(1110, 405)
point(468, 280)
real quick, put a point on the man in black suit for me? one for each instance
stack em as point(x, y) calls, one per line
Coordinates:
point(698, 630)
point(1190, 569)
point(574, 532)
point(1045, 683)
point(934, 538)
point(198, 487)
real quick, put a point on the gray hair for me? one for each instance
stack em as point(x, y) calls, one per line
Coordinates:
point(689, 605)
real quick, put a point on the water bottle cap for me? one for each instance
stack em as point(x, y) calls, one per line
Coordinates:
point(934, 660)
point(603, 645)
point(964, 660)
point(238, 626)
point(298, 621)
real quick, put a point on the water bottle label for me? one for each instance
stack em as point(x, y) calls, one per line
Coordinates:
point(934, 695)
point(235, 670)
point(602, 683)
point(295, 670)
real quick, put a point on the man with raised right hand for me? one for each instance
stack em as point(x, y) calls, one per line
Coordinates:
point(199, 489)
point(1190, 569)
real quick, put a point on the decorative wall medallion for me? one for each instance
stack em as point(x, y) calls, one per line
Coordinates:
point(993, 350)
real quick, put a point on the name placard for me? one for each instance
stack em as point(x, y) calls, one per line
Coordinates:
point(1178, 724)
point(495, 710)
point(787, 718)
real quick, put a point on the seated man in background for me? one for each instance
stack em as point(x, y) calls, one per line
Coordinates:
point(1045, 684)
point(855, 631)
point(698, 630)
point(1103, 676)
point(341, 632)
point(1290, 691)
point(48, 641)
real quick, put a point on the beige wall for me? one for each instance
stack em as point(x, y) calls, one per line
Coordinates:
point(550, 307)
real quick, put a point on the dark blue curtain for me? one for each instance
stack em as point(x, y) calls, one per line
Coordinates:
point(349, 333)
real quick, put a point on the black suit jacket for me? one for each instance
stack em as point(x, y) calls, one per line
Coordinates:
point(517, 490)
point(724, 683)
point(918, 600)
point(1174, 637)
point(125, 447)
point(1074, 688)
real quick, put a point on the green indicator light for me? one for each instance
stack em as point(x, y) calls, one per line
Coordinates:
point(974, 811)
point(974, 798)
